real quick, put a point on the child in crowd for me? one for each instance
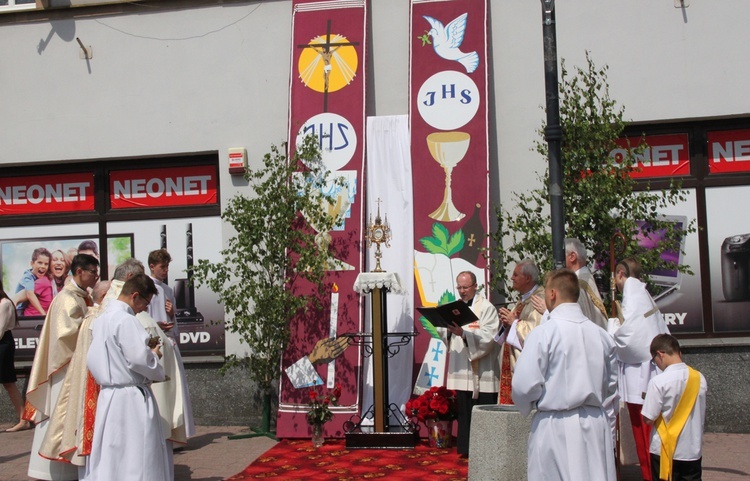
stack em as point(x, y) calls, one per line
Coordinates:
point(675, 405)
point(44, 293)
point(26, 291)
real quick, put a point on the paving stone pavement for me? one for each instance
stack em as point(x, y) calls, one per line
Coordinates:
point(211, 456)
point(208, 456)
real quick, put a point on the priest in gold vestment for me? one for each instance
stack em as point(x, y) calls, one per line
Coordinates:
point(57, 343)
point(519, 322)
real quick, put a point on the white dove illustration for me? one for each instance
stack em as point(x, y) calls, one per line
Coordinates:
point(447, 40)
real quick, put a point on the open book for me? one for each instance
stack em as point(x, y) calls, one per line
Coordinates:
point(443, 315)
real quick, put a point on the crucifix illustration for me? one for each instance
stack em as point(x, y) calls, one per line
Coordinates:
point(339, 63)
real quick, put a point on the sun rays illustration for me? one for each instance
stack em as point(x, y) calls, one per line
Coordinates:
point(328, 63)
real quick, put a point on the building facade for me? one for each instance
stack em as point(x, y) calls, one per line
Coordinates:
point(132, 98)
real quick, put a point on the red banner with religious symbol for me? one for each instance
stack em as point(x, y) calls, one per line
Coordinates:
point(450, 156)
point(327, 100)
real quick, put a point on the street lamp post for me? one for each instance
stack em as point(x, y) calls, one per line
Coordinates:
point(553, 133)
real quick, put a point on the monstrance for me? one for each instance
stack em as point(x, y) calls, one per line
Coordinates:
point(378, 233)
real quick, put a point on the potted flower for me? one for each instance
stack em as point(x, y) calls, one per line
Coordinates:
point(320, 412)
point(437, 409)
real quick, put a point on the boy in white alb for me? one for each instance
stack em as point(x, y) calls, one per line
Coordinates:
point(675, 405)
point(163, 309)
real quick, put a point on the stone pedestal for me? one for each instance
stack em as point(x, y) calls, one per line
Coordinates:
point(498, 443)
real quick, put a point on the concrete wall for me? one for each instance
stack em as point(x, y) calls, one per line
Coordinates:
point(727, 374)
point(165, 80)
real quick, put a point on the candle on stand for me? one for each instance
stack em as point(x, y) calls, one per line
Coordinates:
point(331, 378)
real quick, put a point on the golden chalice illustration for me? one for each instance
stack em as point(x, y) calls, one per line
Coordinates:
point(448, 149)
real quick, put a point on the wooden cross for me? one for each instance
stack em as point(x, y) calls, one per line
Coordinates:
point(324, 50)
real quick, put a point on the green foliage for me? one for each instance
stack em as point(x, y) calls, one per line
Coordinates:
point(442, 242)
point(598, 194)
point(272, 251)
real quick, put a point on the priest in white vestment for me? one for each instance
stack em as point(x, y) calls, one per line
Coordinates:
point(57, 344)
point(68, 438)
point(640, 321)
point(473, 370)
point(128, 440)
point(567, 371)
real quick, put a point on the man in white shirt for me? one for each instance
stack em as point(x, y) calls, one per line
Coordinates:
point(162, 310)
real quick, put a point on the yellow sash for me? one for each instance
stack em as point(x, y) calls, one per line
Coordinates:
point(670, 432)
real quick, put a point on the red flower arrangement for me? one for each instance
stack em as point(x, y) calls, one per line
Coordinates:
point(320, 412)
point(437, 404)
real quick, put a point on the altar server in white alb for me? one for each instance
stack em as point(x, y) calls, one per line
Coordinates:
point(640, 321)
point(162, 310)
point(567, 371)
point(128, 440)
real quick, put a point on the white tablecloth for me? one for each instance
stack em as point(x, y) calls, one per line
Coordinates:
point(367, 281)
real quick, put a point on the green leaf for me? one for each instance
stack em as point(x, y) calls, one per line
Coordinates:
point(442, 242)
point(456, 243)
point(432, 246)
point(429, 328)
point(440, 233)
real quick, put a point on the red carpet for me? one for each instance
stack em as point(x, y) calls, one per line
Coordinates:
point(298, 460)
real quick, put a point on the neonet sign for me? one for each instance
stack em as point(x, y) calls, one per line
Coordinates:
point(42, 194)
point(729, 151)
point(128, 189)
point(665, 156)
point(165, 187)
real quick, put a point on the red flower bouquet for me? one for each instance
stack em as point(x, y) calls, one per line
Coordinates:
point(437, 404)
point(320, 412)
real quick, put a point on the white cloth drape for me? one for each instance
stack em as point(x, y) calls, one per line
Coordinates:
point(389, 179)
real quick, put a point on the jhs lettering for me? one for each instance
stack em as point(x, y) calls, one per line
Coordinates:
point(448, 92)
